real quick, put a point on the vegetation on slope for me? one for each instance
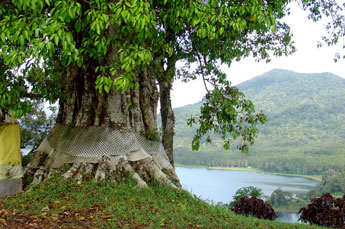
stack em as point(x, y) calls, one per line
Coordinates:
point(305, 132)
point(332, 182)
point(63, 204)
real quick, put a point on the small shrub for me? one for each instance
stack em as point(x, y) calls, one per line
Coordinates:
point(325, 211)
point(254, 207)
point(246, 192)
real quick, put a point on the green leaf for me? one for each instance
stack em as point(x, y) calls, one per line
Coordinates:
point(21, 40)
point(107, 88)
point(98, 29)
point(56, 40)
point(51, 47)
point(77, 25)
point(170, 51)
point(80, 61)
point(3, 37)
point(221, 30)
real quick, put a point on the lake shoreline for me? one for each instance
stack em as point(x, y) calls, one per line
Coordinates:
point(312, 177)
point(287, 210)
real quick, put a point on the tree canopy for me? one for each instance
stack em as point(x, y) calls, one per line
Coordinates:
point(40, 39)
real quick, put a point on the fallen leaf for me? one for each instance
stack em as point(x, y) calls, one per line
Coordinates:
point(3, 221)
point(3, 212)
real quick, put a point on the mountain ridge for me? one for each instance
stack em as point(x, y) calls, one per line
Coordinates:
point(306, 121)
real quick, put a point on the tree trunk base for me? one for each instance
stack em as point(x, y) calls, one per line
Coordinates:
point(138, 165)
point(113, 168)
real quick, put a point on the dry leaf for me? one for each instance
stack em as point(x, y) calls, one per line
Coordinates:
point(3, 221)
point(45, 209)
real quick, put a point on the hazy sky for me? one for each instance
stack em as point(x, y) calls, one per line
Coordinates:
point(307, 59)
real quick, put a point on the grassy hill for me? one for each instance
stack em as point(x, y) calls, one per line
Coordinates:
point(305, 132)
point(61, 203)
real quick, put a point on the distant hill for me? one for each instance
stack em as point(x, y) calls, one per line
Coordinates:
point(305, 132)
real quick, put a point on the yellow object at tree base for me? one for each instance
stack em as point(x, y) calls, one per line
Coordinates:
point(10, 157)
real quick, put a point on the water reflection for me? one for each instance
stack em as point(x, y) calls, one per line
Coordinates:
point(288, 217)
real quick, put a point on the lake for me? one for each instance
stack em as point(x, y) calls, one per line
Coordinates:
point(216, 186)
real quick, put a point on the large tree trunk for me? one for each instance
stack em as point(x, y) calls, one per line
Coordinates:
point(168, 118)
point(104, 135)
point(167, 113)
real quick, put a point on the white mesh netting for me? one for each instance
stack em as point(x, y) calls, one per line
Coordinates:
point(98, 141)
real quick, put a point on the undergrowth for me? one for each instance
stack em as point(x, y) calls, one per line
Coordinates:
point(62, 203)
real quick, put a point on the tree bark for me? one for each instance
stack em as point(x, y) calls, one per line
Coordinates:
point(168, 118)
point(167, 113)
point(104, 135)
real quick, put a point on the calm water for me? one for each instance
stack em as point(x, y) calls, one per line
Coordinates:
point(220, 185)
point(289, 217)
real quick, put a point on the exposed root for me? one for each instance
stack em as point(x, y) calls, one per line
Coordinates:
point(40, 175)
point(72, 171)
point(85, 169)
point(104, 168)
point(148, 169)
point(79, 170)
point(125, 166)
point(113, 168)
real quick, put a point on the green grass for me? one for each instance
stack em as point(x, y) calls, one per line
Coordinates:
point(62, 203)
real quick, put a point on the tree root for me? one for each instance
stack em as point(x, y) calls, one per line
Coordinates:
point(113, 168)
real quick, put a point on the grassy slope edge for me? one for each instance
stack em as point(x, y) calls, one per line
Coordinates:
point(61, 203)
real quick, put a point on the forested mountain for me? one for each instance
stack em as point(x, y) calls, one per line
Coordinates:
point(305, 132)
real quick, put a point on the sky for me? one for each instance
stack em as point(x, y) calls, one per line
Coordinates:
point(307, 59)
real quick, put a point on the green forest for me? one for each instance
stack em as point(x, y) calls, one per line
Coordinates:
point(304, 134)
